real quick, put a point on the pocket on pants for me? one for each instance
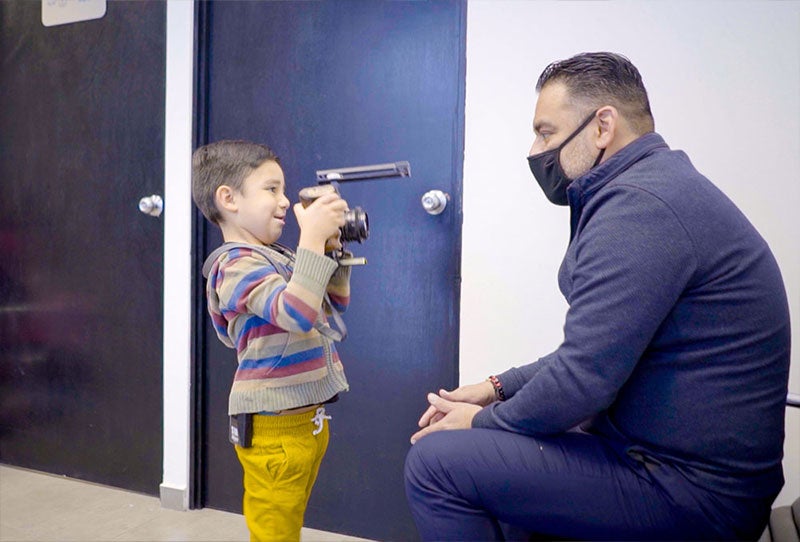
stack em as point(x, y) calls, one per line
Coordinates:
point(276, 460)
point(299, 456)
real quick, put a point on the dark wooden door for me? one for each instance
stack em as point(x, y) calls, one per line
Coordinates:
point(335, 84)
point(81, 141)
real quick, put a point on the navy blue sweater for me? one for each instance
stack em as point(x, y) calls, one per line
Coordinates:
point(677, 334)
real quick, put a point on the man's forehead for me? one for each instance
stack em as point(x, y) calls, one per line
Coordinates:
point(553, 104)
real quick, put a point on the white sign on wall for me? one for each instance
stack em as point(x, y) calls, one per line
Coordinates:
point(56, 12)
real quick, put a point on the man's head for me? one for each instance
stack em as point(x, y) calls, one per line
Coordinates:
point(589, 107)
point(226, 163)
point(593, 80)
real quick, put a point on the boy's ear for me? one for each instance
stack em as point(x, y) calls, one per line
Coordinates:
point(224, 196)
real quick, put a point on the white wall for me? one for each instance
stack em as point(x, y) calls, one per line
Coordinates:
point(724, 85)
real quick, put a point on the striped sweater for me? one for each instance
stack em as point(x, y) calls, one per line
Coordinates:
point(283, 361)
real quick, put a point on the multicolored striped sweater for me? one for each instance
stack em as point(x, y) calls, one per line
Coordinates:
point(284, 362)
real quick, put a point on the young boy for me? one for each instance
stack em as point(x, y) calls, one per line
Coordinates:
point(268, 304)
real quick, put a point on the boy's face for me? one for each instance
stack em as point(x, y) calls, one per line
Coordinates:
point(260, 206)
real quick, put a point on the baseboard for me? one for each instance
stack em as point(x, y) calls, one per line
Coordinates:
point(173, 498)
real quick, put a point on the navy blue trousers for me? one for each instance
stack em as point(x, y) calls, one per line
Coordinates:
point(473, 484)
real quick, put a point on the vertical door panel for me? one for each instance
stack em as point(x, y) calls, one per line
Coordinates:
point(81, 140)
point(337, 84)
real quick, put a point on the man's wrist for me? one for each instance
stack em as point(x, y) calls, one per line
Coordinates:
point(499, 392)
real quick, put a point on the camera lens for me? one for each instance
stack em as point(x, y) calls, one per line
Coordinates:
point(356, 225)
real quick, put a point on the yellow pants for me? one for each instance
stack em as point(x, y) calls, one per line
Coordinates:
point(280, 469)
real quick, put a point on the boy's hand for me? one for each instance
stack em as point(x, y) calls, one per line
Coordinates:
point(320, 221)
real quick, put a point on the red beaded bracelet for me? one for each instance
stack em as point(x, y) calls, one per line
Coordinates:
point(499, 393)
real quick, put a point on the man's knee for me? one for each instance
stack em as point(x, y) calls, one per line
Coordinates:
point(424, 461)
point(416, 467)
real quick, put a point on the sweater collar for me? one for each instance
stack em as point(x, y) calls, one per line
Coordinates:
point(582, 188)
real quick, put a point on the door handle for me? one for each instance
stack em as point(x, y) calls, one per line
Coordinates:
point(434, 201)
point(152, 205)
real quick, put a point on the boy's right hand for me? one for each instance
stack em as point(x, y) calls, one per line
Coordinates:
point(320, 221)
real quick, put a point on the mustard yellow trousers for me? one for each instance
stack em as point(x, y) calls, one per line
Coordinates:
point(280, 469)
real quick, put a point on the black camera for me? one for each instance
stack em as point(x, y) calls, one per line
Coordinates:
point(356, 225)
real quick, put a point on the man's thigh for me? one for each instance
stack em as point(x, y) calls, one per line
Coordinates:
point(570, 485)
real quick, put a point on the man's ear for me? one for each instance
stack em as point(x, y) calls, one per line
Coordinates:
point(225, 198)
point(608, 125)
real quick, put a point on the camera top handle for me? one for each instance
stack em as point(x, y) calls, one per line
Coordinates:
point(362, 173)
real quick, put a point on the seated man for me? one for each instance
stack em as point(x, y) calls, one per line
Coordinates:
point(675, 358)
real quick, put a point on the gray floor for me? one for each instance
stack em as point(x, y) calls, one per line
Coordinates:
point(43, 507)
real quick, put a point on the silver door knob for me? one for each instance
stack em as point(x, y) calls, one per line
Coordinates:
point(434, 201)
point(152, 205)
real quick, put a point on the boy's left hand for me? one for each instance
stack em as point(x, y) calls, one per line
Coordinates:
point(320, 221)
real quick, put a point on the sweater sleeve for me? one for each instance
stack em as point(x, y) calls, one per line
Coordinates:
point(246, 283)
point(339, 287)
point(632, 261)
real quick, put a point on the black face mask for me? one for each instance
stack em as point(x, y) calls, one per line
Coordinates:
point(546, 168)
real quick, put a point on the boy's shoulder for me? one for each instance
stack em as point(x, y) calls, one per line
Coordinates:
point(277, 257)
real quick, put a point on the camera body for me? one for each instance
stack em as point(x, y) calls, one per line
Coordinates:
point(356, 226)
point(356, 221)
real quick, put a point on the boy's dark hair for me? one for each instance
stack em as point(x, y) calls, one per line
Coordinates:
point(224, 163)
point(597, 79)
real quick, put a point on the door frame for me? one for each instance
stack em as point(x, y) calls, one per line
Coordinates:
point(199, 250)
point(176, 486)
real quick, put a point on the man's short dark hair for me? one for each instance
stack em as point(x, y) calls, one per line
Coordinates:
point(224, 163)
point(597, 79)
